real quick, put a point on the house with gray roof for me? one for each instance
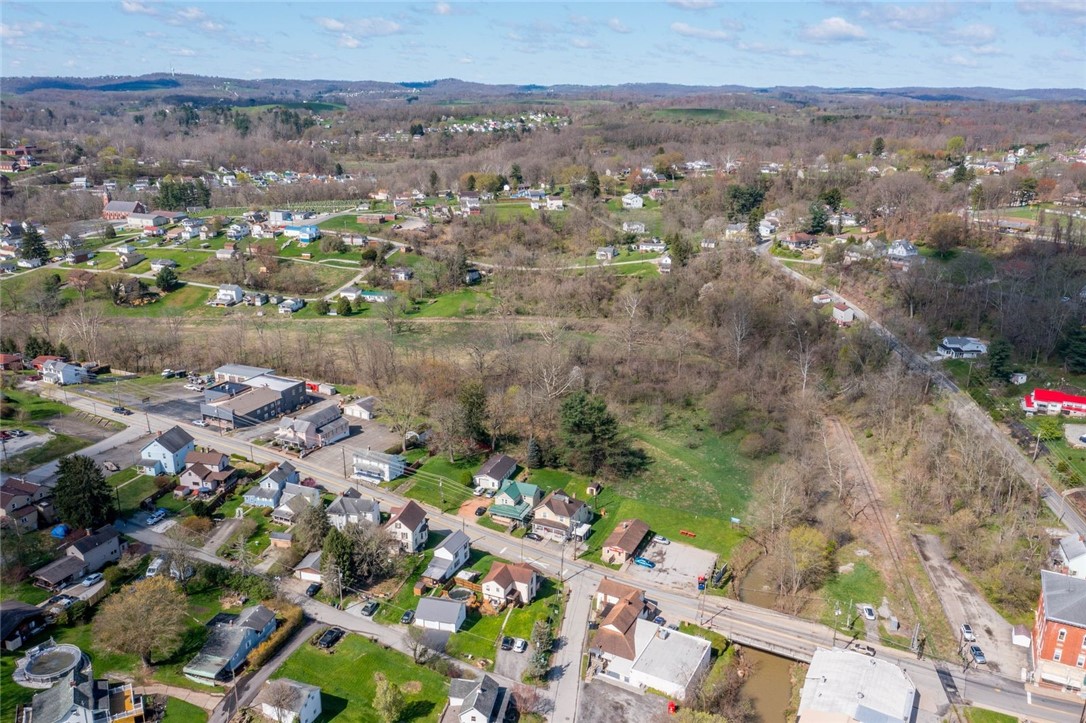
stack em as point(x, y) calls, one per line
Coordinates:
point(304, 705)
point(478, 701)
point(495, 471)
point(440, 613)
point(269, 491)
point(79, 698)
point(313, 429)
point(846, 685)
point(1072, 555)
point(449, 556)
point(1059, 633)
point(351, 508)
point(166, 453)
point(231, 639)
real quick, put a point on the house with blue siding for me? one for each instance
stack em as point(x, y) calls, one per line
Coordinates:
point(269, 491)
point(305, 234)
point(231, 639)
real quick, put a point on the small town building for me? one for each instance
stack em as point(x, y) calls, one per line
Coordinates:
point(844, 685)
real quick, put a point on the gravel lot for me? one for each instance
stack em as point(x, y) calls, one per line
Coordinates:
point(604, 703)
point(677, 565)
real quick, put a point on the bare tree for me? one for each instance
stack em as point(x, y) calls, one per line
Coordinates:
point(282, 697)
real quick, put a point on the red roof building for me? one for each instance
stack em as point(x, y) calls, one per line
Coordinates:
point(11, 362)
point(1052, 401)
point(39, 361)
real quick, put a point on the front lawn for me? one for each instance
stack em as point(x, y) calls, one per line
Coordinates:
point(178, 711)
point(29, 407)
point(346, 678)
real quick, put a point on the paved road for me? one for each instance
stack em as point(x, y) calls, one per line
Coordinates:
point(746, 623)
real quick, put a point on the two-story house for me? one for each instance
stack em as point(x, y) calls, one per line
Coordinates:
point(269, 491)
point(229, 643)
point(313, 429)
point(449, 556)
point(62, 373)
point(86, 555)
point(1059, 634)
point(166, 453)
point(495, 471)
point(351, 508)
point(515, 501)
point(206, 471)
point(408, 527)
point(962, 347)
point(228, 295)
point(514, 583)
point(561, 517)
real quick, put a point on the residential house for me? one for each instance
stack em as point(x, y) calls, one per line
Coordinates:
point(664, 264)
point(902, 250)
point(561, 517)
point(199, 477)
point(159, 264)
point(291, 507)
point(376, 297)
point(166, 453)
point(302, 706)
point(17, 505)
point(377, 466)
point(351, 508)
point(361, 408)
point(633, 227)
point(631, 649)
point(653, 245)
point(79, 698)
point(1071, 553)
point(225, 254)
point(79, 257)
point(478, 701)
point(624, 541)
point(735, 232)
point(289, 306)
point(313, 429)
point(843, 314)
point(554, 203)
point(450, 555)
point(62, 373)
point(31, 263)
point(280, 218)
point(632, 200)
point(128, 260)
point(1052, 401)
point(88, 554)
point(145, 220)
point(19, 622)
point(440, 613)
point(1059, 633)
point(309, 568)
point(708, 244)
point(470, 203)
point(515, 501)
point(402, 273)
point(495, 471)
point(231, 639)
point(798, 241)
point(767, 227)
point(962, 347)
point(228, 295)
point(606, 253)
point(845, 685)
point(304, 234)
point(39, 362)
point(11, 362)
point(408, 527)
point(121, 210)
point(512, 583)
point(269, 491)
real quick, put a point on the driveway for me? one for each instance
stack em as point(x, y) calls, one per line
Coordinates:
point(512, 665)
point(962, 603)
point(604, 703)
point(677, 565)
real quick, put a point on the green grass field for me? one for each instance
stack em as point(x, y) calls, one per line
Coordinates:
point(982, 715)
point(465, 302)
point(349, 224)
point(509, 211)
point(132, 488)
point(346, 678)
point(61, 445)
point(185, 300)
point(710, 115)
point(178, 711)
point(862, 585)
point(29, 407)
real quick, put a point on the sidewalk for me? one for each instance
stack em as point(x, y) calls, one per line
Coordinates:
point(207, 701)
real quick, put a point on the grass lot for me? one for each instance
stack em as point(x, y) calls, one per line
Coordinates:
point(183, 300)
point(981, 715)
point(132, 488)
point(29, 407)
point(709, 115)
point(346, 678)
point(465, 302)
point(510, 211)
point(405, 598)
point(295, 250)
point(178, 711)
point(438, 477)
point(185, 259)
point(348, 224)
point(61, 445)
point(862, 585)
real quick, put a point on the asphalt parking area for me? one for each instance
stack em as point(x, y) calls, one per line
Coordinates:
point(604, 703)
point(677, 565)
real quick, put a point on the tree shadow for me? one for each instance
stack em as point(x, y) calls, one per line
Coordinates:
point(417, 709)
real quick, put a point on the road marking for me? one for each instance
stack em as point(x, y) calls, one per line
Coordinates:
point(502, 551)
point(1029, 697)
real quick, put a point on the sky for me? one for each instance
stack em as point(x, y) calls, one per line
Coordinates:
point(829, 43)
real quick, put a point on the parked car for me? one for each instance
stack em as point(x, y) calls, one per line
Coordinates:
point(194, 387)
point(329, 638)
point(97, 578)
point(167, 373)
point(121, 410)
point(977, 654)
point(868, 612)
point(644, 562)
point(480, 510)
point(478, 491)
point(659, 620)
point(865, 649)
point(313, 589)
point(155, 517)
point(370, 608)
point(18, 433)
point(407, 618)
point(534, 537)
point(660, 539)
point(490, 494)
point(110, 466)
point(199, 423)
point(967, 633)
point(519, 645)
point(156, 566)
point(507, 643)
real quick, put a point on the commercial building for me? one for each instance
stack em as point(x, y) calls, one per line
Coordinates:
point(842, 685)
point(1059, 634)
point(243, 396)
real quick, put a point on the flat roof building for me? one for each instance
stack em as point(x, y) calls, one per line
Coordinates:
point(843, 686)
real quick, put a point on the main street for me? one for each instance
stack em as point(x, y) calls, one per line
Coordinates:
point(748, 624)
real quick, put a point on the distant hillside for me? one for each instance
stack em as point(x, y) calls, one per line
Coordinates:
point(194, 88)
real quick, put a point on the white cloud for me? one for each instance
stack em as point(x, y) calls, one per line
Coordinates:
point(974, 34)
point(917, 17)
point(1073, 11)
point(191, 14)
point(132, 7)
point(184, 52)
point(11, 31)
point(349, 41)
point(211, 26)
point(617, 25)
point(19, 30)
point(443, 9)
point(467, 60)
point(692, 4)
point(331, 24)
point(833, 30)
point(988, 49)
point(582, 43)
point(962, 61)
point(691, 31)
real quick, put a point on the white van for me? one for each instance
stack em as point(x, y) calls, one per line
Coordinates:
point(155, 566)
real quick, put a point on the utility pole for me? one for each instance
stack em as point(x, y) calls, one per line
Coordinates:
point(343, 453)
point(836, 618)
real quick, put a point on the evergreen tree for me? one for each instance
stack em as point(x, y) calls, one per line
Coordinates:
point(322, 307)
point(999, 359)
point(472, 400)
point(32, 245)
point(594, 184)
point(816, 224)
point(343, 306)
point(1074, 351)
point(83, 499)
point(338, 169)
point(878, 146)
point(592, 440)
point(515, 174)
point(311, 529)
point(166, 279)
point(109, 231)
point(534, 458)
point(435, 180)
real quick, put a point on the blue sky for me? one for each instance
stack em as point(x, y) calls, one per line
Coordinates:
point(1013, 44)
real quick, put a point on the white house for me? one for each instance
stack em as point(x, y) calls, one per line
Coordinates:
point(606, 253)
point(351, 508)
point(633, 227)
point(289, 306)
point(408, 527)
point(478, 701)
point(303, 705)
point(902, 250)
point(449, 556)
point(361, 408)
point(438, 613)
point(632, 200)
point(962, 347)
point(843, 314)
point(58, 372)
point(516, 583)
point(166, 453)
point(377, 466)
point(159, 264)
point(495, 471)
point(1072, 555)
point(309, 569)
point(847, 685)
point(228, 295)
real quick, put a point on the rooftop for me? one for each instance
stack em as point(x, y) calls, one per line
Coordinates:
point(439, 610)
point(240, 370)
point(173, 439)
point(1064, 598)
point(843, 685)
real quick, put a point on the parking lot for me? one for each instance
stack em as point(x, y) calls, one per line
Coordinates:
point(677, 565)
point(605, 703)
point(512, 664)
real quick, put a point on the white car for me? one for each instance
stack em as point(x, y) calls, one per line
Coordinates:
point(156, 566)
point(194, 387)
point(155, 517)
point(94, 579)
point(868, 612)
point(661, 540)
point(199, 423)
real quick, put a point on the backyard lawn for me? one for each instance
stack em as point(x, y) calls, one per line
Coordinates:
point(132, 488)
point(346, 678)
point(178, 711)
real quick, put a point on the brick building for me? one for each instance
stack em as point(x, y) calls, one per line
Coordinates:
point(1059, 635)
